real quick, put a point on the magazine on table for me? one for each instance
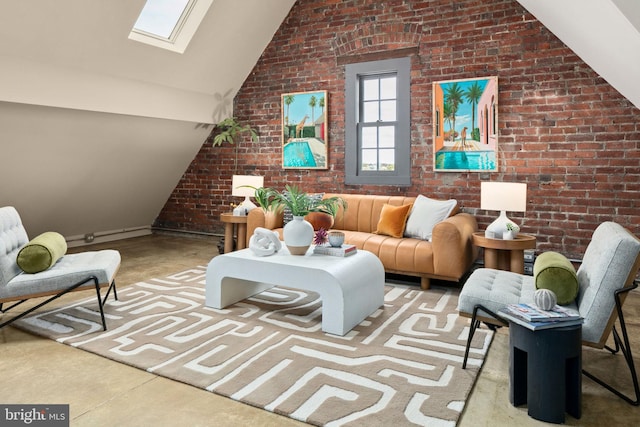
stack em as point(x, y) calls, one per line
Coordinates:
point(508, 315)
point(533, 313)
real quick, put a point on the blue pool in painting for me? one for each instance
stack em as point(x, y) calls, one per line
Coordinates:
point(297, 154)
point(466, 160)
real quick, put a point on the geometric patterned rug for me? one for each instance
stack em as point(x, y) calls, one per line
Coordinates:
point(401, 366)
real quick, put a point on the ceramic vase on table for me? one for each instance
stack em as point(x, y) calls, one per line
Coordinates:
point(298, 235)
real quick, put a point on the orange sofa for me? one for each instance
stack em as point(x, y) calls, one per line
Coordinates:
point(447, 255)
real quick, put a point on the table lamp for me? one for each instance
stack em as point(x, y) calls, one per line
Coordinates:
point(244, 186)
point(503, 197)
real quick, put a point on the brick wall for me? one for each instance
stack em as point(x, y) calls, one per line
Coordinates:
point(562, 129)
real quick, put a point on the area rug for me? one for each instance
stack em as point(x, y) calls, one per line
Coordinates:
point(401, 366)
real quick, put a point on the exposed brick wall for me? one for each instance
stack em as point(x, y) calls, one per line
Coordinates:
point(562, 129)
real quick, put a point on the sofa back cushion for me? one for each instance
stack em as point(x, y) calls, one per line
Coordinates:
point(363, 211)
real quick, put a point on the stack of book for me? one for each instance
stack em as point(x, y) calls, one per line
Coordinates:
point(532, 317)
point(342, 251)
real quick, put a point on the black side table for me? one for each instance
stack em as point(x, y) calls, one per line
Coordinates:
point(545, 371)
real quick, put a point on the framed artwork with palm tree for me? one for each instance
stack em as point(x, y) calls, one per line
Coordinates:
point(465, 125)
point(305, 142)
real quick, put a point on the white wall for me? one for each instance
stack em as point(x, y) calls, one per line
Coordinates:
point(79, 172)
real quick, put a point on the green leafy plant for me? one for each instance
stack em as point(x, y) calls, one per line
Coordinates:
point(301, 203)
point(512, 227)
point(229, 129)
point(264, 196)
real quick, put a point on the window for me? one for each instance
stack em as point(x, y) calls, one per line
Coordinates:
point(169, 24)
point(377, 117)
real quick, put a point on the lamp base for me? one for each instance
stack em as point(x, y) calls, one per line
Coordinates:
point(243, 208)
point(498, 228)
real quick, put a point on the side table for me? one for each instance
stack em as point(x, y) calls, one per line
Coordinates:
point(240, 222)
point(504, 254)
point(545, 371)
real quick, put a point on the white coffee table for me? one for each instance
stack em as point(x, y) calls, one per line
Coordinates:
point(350, 288)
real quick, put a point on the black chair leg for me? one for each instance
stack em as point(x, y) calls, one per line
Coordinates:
point(621, 344)
point(475, 324)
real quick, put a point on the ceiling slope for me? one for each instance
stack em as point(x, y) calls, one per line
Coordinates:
point(603, 33)
point(77, 54)
point(96, 130)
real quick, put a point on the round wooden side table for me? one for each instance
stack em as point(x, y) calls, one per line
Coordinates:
point(505, 254)
point(241, 224)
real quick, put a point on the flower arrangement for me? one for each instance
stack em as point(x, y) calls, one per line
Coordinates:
point(320, 237)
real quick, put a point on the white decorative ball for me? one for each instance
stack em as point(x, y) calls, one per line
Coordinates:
point(545, 299)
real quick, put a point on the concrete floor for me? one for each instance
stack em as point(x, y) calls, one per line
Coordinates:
point(105, 393)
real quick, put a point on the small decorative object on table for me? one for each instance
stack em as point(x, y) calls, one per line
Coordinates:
point(336, 238)
point(545, 299)
point(512, 231)
point(343, 251)
point(320, 237)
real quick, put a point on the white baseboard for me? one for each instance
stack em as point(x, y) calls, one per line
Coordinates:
point(107, 236)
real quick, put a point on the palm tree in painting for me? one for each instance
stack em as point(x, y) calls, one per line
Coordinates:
point(288, 100)
point(454, 96)
point(321, 105)
point(312, 103)
point(473, 94)
point(448, 116)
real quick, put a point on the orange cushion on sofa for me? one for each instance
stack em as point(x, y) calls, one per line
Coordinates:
point(393, 220)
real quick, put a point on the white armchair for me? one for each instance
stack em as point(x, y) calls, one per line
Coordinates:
point(606, 275)
point(72, 272)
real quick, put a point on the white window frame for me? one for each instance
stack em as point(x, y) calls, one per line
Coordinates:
point(183, 32)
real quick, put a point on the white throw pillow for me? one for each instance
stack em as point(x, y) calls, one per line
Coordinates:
point(425, 214)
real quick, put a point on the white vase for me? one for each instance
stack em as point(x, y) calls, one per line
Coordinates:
point(298, 235)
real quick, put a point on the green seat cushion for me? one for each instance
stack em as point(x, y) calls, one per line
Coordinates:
point(42, 252)
point(555, 272)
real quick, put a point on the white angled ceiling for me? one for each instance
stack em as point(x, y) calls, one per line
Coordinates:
point(77, 54)
point(603, 33)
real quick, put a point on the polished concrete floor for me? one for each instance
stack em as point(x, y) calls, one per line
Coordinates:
point(105, 393)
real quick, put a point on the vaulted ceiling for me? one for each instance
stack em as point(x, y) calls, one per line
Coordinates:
point(98, 129)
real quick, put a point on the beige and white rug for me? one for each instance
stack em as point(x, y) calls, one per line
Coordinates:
point(401, 366)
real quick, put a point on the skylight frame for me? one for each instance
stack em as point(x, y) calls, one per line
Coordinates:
point(184, 30)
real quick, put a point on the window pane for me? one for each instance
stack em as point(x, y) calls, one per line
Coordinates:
point(160, 17)
point(370, 113)
point(388, 88)
point(387, 160)
point(370, 89)
point(369, 137)
point(387, 137)
point(388, 111)
point(369, 160)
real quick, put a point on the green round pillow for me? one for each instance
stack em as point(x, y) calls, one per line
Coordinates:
point(41, 252)
point(555, 272)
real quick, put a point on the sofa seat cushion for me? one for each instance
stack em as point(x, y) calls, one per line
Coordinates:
point(70, 269)
point(495, 289)
point(396, 254)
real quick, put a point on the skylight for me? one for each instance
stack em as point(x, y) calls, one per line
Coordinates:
point(161, 17)
point(169, 24)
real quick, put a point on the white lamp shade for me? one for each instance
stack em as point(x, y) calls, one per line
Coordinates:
point(503, 196)
point(238, 183)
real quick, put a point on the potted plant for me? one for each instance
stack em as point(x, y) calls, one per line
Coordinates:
point(512, 231)
point(323, 214)
point(228, 130)
point(298, 234)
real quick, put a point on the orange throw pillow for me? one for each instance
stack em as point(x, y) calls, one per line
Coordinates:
point(393, 219)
